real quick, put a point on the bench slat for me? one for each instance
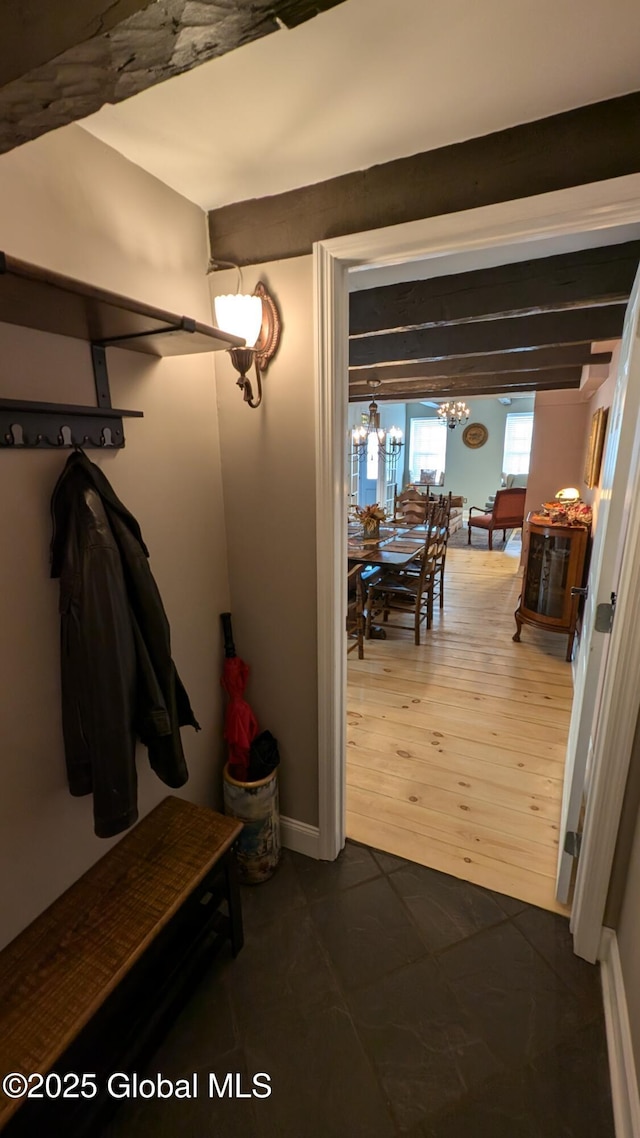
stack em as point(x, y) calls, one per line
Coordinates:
point(61, 968)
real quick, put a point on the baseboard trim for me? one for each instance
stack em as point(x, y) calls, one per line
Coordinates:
point(300, 837)
point(622, 1067)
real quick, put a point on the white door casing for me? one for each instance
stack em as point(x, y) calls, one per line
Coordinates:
point(581, 209)
point(606, 557)
point(619, 703)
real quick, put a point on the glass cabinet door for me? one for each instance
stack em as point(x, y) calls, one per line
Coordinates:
point(546, 589)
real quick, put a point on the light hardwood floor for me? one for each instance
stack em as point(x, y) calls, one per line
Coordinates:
point(456, 748)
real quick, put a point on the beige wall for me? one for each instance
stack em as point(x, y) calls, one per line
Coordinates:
point(72, 204)
point(268, 464)
point(557, 449)
point(562, 423)
point(557, 446)
point(602, 397)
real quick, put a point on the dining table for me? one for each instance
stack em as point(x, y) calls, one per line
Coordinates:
point(393, 547)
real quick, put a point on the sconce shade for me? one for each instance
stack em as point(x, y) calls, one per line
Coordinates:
point(256, 318)
point(568, 494)
point(241, 315)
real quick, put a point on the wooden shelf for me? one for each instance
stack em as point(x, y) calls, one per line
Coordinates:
point(37, 298)
point(50, 302)
point(67, 409)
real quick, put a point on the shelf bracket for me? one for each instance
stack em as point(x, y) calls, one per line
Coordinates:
point(38, 298)
point(100, 375)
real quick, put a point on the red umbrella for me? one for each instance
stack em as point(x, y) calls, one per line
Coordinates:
point(240, 724)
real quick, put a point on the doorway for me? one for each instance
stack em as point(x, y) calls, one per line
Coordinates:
point(567, 214)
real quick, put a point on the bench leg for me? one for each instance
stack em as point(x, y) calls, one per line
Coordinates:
point(234, 902)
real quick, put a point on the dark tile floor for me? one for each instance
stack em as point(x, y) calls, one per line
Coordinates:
point(387, 999)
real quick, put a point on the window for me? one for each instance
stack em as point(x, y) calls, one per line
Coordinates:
point(517, 443)
point(427, 448)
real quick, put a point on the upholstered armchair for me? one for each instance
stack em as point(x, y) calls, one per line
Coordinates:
point(507, 513)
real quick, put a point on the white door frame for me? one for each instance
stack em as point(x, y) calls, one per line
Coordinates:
point(599, 206)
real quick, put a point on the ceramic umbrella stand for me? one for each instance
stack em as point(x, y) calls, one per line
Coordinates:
point(255, 804)
point(250, 777)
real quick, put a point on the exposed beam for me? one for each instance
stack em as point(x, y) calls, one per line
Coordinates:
point(62, 60)
point(589, 144)
point(580, 279)
point(34, 31)
point(479, 388)
point(572, 355)
point(517, 334)
point(553, 377)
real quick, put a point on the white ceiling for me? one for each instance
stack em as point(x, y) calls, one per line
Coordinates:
point(369, 81)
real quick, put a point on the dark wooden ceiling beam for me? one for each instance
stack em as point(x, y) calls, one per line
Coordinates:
point(61, 61)
point(451, 385)
point(454, 392)
point(466, 382)
point(540, 359)
point(34, 31)
point(589, 144)
point(580, 279)
point(520, 333)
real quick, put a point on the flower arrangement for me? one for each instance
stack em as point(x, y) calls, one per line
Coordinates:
point(370, 516)
point(567, 513)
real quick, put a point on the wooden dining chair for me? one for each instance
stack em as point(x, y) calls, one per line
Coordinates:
point(355, 610)
point(444, 505)
point(407, 591)
point(410, 506)
point(438, 512)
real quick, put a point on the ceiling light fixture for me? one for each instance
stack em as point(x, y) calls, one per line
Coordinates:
point(257, 320)
point(453, 413)
point(389, 441)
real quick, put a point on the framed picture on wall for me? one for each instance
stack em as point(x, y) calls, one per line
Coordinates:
point(595, 447)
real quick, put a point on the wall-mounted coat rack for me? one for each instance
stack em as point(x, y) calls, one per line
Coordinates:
point(49, 302)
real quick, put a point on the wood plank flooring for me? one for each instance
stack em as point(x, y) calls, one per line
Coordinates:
point(456, 748)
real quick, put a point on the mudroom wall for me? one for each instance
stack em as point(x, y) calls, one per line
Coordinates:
point(74, 205)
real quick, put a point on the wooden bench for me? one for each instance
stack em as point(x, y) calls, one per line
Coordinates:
point(92, 983)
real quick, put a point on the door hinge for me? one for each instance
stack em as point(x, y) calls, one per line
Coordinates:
point(604, 615)
point(572, 843)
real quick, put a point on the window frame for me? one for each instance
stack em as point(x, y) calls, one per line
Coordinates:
point(519, 461)
point(441, 426)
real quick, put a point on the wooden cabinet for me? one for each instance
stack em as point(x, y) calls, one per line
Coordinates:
point(555, 565)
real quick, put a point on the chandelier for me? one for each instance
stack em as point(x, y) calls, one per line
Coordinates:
point(389, 442)
point(453, 413)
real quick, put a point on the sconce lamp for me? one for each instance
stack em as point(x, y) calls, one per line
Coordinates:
point(257, 320)
point(568, 494)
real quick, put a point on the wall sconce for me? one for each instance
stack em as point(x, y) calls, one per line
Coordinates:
point(568, 494)
point(256, 318)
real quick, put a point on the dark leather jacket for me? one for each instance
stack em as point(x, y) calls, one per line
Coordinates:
point(118, 679)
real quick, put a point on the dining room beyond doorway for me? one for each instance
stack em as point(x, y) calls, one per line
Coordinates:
point(456, 746)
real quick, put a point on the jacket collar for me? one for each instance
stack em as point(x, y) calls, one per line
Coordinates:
point(86, 472)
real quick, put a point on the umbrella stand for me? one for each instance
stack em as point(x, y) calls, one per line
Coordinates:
point(250, 777)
